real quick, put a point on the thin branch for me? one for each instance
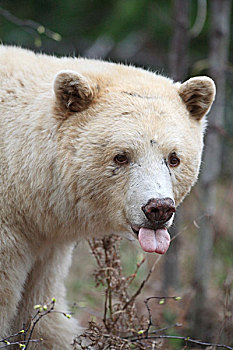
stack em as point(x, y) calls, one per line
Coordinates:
point(162, 300)
point(134, 296)
point(186, 339)
point(156, 331)
point(30, 26)
point(200, 19)
point(166, 328)
point(21, 342)
point(36, 319)
point(194, 222)
point(27, 332)
point(131, 278)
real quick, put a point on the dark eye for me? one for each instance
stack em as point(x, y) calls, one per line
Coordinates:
point(173, 160)
point(121, 159)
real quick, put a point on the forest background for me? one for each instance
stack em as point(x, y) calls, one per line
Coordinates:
point(180, 39)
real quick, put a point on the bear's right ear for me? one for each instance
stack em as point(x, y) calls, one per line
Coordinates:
point(198, 94)
point(72, 90)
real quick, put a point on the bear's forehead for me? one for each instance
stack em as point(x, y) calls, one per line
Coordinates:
point(143, 86)
point(157, 112)
point(142, 128)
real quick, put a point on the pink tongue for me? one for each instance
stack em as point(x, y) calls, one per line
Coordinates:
point(154, 241)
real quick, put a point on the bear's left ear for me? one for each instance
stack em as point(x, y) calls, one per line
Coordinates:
point(72, 90)
point(198, 95)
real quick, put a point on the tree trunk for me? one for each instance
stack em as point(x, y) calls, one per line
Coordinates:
point(178, 67)
point(220, 11)
point(178, 57)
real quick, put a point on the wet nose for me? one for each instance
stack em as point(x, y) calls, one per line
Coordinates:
point(159, 209)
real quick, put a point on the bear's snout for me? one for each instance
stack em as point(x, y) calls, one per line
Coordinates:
point(159, 209)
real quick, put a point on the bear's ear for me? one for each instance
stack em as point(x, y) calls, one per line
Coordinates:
point(72, 91)
point(198, 95)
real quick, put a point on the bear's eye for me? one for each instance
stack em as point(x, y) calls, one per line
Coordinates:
point(173, 160)
point(121, 159)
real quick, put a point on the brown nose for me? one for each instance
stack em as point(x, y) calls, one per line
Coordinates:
point(159, 209)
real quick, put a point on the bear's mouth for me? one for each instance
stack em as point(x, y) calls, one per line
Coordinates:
point(153, 240)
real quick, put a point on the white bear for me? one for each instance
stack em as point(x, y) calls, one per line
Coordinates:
point(86, 148)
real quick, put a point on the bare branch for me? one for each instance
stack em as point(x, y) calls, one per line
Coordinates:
point(142, 285)
point(186, 339)
point(27, 332)
point(200, 18)
point(122, 328)
point(30, 26)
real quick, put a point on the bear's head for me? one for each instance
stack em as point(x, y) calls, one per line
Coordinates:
point(129, 148)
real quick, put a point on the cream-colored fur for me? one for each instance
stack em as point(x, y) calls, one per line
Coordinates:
point(62, 123)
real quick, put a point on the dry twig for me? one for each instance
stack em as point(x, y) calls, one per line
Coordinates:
point(24, 337)
point(122, 327)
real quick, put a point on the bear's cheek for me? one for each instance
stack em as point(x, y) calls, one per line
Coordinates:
point(102, 185)
point(183, 179)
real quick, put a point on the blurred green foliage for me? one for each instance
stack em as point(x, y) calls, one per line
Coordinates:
point(81, 22)
point(135, 31)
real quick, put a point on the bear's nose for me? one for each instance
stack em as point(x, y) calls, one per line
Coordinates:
point(159, 209)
